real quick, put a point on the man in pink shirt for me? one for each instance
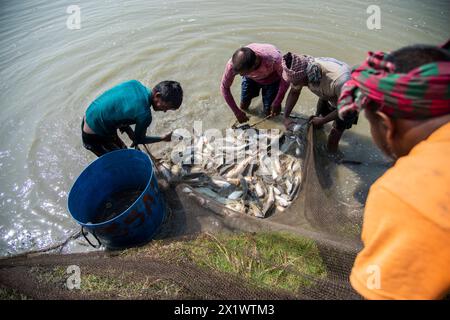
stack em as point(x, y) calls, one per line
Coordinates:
point(261, 69)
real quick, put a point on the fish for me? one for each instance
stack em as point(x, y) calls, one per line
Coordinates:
point(250, 171)
point(289, 186)
point(277, 166)
point(210, 193)
point(187, 190)
point(268, 206)
point(286, 146)
point(282, 201)
point(244, 187)
point(259, 190)
point(267, 168)
point(175, 170)
point(277, 191)
point(239, 168)
point(166, 173)
point(297, 127)
point(236, 206)
point(222, 183)
point(256, 211)
point(209, 165)
point(296, 166)
point(226, 168)
point(295, 188)
point(236, 195)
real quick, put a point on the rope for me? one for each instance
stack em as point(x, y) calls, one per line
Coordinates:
point(60, 246)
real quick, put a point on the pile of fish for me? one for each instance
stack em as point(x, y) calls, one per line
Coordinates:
point(250, 171)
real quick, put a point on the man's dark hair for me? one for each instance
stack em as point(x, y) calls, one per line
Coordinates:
point(171, 93)
point(243, 59)
point(411, 57)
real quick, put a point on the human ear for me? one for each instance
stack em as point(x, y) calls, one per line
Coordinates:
point(387, 131)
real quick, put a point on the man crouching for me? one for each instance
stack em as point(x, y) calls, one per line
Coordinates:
point(126, 104)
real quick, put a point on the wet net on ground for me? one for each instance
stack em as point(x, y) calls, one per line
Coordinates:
point(174, 269)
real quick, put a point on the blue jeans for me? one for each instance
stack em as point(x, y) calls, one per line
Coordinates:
point(250, 89)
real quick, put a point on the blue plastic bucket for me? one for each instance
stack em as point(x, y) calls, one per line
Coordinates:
point(115, 172)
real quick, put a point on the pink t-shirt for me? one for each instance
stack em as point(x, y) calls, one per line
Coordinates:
point(269, 71)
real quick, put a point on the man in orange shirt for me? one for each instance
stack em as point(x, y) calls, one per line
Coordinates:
point(406, 230)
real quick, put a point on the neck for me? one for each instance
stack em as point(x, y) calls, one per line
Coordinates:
point(413, 132)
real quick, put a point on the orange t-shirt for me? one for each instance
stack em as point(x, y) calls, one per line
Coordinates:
point(406, 230)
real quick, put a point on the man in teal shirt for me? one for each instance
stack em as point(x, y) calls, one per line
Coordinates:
point(126, 104)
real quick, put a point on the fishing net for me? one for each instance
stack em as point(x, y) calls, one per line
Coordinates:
point(312, 260)
point(317, 214)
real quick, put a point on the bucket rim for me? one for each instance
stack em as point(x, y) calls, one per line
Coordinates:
point(87, 225)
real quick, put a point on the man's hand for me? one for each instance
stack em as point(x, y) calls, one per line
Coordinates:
point(167, 137)
point(288, 122)
point(242, 117)
point(317, 121)
point(275, 110)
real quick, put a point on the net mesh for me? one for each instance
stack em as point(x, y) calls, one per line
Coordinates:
point(173, 267)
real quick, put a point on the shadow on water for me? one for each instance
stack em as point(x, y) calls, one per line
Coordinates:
point(362, 161)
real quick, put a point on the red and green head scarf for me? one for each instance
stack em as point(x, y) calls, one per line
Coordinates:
point(422, 93)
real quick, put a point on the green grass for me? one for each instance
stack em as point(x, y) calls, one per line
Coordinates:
point(11, 294)
point(109, 282)
point(126, 289)
point(269, 260)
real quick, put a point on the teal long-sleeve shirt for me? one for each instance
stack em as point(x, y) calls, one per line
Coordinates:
point(125, 104)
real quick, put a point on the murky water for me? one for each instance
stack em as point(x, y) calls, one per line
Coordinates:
point(49, 75)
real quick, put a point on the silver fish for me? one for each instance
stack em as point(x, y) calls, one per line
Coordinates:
point(269, 204)
point(256, 211)
point(277, 191)
point(289, 186)
point(244, 187)
point(225, 168)
point(235, 195)
point(259, 190)
point(295, 188)
point(165, 172)
point(296, 166)
point(236, 206)
point(282, 201)
point(239, 168)
point(175, 170)
point(220, 182)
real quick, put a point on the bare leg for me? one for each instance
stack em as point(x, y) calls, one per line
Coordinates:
point(333, 140)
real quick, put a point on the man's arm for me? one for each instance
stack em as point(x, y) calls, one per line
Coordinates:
point(284, 86)
point(291, 100)
point(318, 120)
point(276, 104)
point(227, 81)
point(140, 136)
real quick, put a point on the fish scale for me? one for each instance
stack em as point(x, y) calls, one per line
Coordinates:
point(265, 179)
